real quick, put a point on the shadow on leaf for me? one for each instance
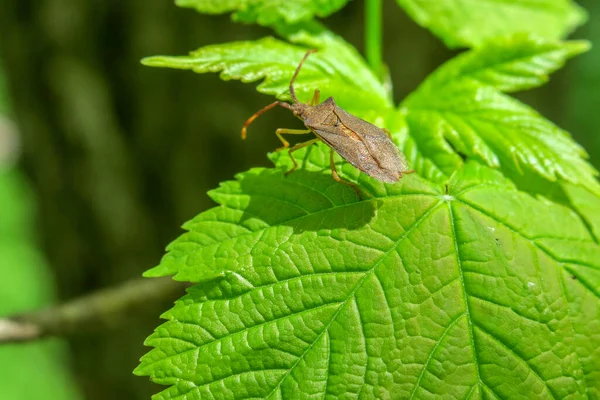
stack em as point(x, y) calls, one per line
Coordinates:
point(304, 200)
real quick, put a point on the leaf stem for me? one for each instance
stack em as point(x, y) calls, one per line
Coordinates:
point(374, 34)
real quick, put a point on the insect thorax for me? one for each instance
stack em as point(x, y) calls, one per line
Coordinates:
point(299, 109)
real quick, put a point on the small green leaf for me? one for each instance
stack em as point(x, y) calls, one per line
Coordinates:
point(267, 12)
point(459, 111)
point(418, 291)
point(336, 69)
point(468, 23)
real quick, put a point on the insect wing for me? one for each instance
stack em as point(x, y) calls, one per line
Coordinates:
point(390, 162)
point(352, 150)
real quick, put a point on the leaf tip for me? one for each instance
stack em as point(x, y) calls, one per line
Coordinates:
point(155, 272)
point(140, 370)
point(576, 47)
point(578, 15)
point(154, 61)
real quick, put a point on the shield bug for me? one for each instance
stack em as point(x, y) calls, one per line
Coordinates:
point(364, 145)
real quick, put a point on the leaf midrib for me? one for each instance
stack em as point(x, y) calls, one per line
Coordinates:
point(464, 289)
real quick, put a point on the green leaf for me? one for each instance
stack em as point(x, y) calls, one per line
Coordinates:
point(418, 291)
point(468, 23)
point(509, 64)
point(336, 69)
point(267, 12)
point(459, 111)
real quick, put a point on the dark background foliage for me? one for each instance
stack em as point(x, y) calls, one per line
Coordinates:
point(119, 154)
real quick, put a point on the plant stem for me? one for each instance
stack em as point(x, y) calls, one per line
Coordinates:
point(102, 308)
point(374, 34)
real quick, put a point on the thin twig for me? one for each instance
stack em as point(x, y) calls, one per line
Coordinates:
point(104, 305)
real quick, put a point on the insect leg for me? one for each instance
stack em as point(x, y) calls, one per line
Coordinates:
point(283, 131)
point(259, 112)
point(387, 132)
point(298, 147)
point(315, 99)
point(340, 180)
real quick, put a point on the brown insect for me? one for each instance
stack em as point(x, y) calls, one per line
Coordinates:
point(364, 145)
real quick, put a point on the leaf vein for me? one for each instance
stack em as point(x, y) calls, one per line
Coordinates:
point(357, 286)
point(432, 352)
point(517, 355)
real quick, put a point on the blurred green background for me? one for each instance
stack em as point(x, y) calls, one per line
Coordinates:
point(115, 156)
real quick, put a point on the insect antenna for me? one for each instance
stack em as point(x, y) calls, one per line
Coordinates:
point(292, 92)
point(261, 111)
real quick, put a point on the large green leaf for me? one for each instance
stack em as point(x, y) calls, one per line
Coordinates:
point(267, 12)
point(471, 23)
point(460, 112)
point(335, 69)
point(468, 290)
